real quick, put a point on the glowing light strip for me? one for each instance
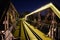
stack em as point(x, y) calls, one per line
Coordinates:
point(31, 35)
point(50, 5)
point(41, 35)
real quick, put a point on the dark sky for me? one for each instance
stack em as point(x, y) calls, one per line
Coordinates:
point(31, 5)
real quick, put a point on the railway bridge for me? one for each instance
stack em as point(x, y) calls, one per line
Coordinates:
point(41, 24)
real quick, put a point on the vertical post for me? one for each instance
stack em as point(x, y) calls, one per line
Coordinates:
point(53, 22)
point(39, 18)
point(5, 23)
point(7, 27)
point(7, 20)
point(2, 37)
point(14, 19)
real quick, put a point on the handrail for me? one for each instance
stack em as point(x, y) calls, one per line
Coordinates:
point(50, 5)
point(31, 35)
point(22, 37)
point(42, 35)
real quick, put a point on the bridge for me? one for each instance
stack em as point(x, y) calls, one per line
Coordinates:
point(40, 24)
point(33, 27)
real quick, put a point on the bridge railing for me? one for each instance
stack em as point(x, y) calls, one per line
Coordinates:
point(45, 18)
point(38, 34)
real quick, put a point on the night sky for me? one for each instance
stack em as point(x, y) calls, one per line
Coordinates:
point(31, 5)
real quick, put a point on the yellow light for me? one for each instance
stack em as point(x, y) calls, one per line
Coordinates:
point(50, 5)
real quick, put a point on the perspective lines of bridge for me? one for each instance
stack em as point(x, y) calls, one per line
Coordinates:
point(41, 24)
point(29, 32)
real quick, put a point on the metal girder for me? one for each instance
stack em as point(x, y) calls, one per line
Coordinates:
point(50, 5)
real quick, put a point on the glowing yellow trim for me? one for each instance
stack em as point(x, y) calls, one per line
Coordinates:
point(41, 35)
point(31, 35)
point(50, 5)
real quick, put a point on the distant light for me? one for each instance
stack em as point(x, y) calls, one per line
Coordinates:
point(2, 31)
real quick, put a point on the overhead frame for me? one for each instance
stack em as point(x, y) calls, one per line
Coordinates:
point(50, 5)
